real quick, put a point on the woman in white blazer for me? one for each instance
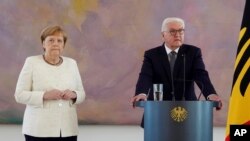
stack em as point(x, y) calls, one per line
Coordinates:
point(50, 86)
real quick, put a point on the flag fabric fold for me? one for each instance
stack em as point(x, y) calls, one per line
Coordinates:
point(239, 106)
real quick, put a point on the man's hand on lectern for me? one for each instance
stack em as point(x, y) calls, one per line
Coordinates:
point(215, 97)
point(139, 97)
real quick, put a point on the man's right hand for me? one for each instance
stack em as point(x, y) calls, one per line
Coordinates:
point(140, 97)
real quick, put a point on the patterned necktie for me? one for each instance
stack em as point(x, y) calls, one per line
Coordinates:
point(172, 58)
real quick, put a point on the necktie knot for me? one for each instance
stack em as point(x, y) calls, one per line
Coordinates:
point(173, 53)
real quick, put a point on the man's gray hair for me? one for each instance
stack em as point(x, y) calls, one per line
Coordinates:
point(170, 20)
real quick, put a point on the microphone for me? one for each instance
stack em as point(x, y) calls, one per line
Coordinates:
point(172, 58)
point(184, 80)
point(172, 92)
point(202, 87)
point(148, 93)
point(184, 76)
point(197, 82)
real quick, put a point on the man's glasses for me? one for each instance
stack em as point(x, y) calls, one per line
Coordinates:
point(174, 32)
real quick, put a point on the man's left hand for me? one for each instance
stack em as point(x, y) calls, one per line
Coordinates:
point(215, 97)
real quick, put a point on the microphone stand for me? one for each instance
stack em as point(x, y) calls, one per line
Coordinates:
point(202, 87)
point(184, 80)
point(184, 77)
point(172, 81)
point(172, 92)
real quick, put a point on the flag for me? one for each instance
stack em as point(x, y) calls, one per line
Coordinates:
point(239, 106)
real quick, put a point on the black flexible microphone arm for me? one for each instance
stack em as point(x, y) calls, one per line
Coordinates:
point(184, 80)
point(197, 82)
point(172, 92)
point(184, 76)
point(202, 87)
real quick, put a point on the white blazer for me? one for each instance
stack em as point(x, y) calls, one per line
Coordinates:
point(52, 117)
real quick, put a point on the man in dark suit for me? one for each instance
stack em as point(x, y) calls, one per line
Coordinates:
point(176, 65)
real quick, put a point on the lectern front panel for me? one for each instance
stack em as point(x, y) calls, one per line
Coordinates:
point(178, 120)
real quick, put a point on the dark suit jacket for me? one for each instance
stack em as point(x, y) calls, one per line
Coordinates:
point(156, 69)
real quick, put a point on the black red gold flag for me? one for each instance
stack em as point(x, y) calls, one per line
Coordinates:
point(239, 106)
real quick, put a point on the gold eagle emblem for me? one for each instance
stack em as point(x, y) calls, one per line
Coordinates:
point(179, 114)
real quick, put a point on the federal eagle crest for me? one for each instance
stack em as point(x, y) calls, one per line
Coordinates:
point(179, 114)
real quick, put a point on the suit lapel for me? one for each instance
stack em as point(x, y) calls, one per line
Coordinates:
point(164, 60)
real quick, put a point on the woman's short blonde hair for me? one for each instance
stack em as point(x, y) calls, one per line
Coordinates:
point(52, 30)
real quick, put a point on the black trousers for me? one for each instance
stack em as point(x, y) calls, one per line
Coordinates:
point(31, 138)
